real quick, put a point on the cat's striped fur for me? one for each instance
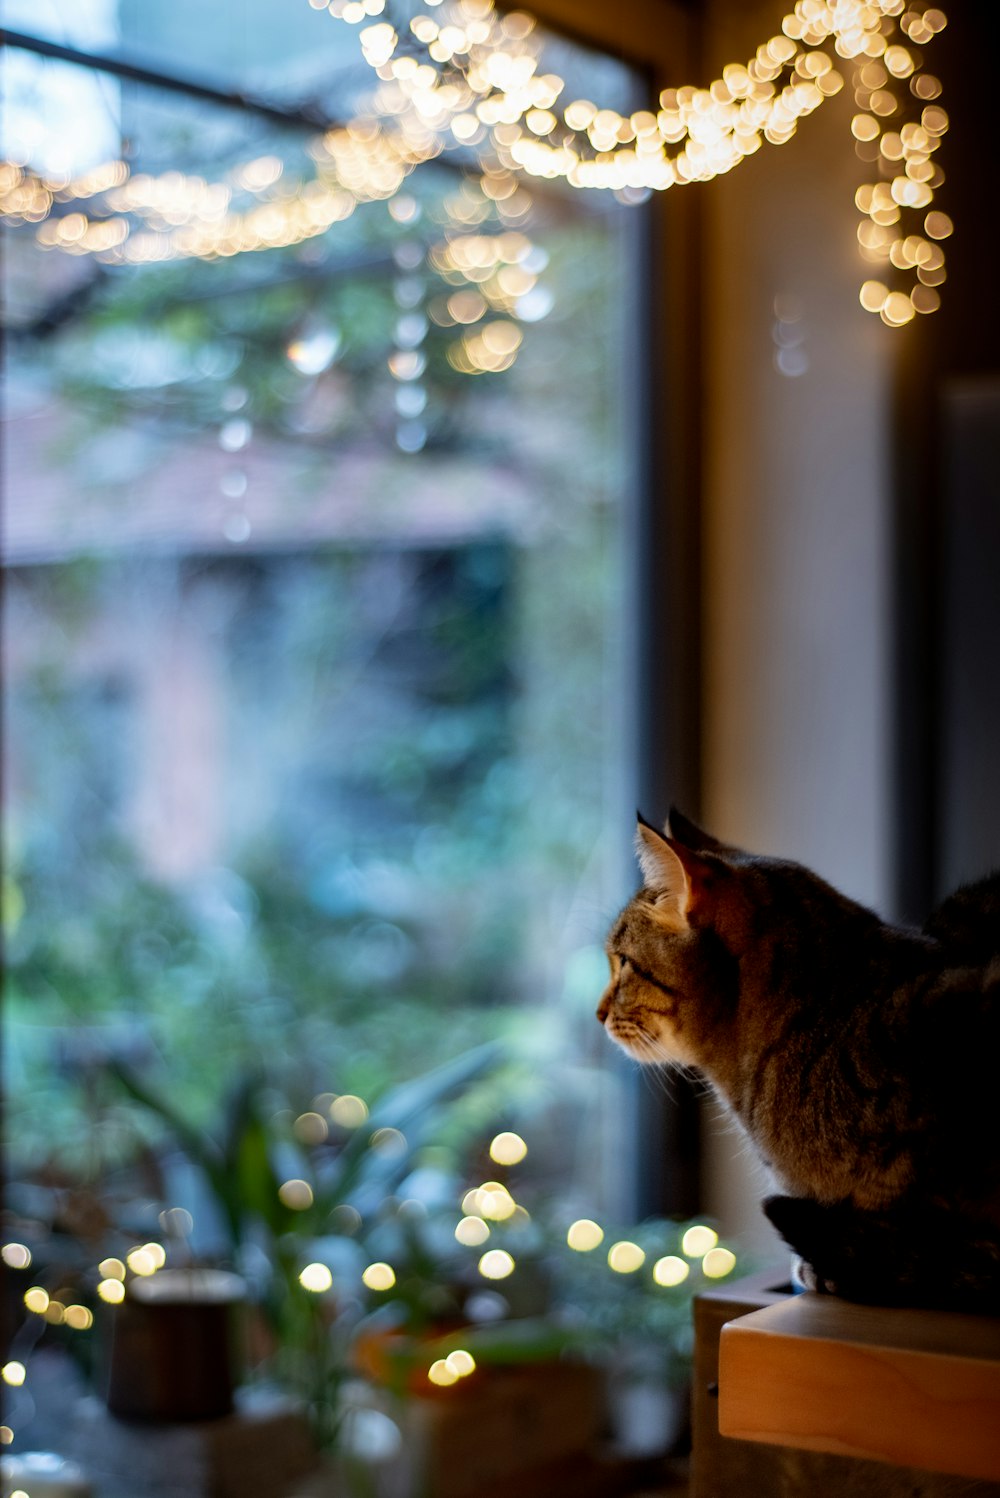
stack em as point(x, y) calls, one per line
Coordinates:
point(860, 1057)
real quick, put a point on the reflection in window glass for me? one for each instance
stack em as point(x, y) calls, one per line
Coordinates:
point(312, 542)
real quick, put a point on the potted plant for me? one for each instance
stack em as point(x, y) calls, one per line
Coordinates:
point(299, 1195)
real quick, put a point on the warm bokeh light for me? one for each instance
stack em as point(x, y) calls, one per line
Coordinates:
point(16, 1255)
point(388, 1142)
point(474, 76)
point(897, 309)
point(296, 1194)
point(496, 1264)
point(461, 1363)
point(938, 225)
point(626, 1257)
point(440, 1374)
point(584, 1235)
point(79, 1318)
point(141, 1262)
point(492, 1200)
point(496, 1203)
point(698, 1240)
point(308, 1128)
point(111, 1269)
point(925, 299)
point(670, 1270)
point(379, 1276)
point(348, 1111)
point(873, 295)
point(37, 1300)
point(508, 1149)
point(316, 1278)
point(14, 1374)
point(466, 306)
point(472, 1231)
point(718, 1262)
point(112, 1291)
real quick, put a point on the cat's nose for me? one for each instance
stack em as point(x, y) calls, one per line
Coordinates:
point(604, 1007)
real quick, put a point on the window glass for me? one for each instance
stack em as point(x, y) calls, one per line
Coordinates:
point(314, 730)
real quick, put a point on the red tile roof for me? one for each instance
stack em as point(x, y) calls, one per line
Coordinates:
point(144, 486)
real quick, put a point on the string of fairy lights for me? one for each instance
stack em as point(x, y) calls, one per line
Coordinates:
point(476, 75)
point(469, 76)
point(484, 1211)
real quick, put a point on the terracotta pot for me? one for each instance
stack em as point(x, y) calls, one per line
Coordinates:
point(398, 1360)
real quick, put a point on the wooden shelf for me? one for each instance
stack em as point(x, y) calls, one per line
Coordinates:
point(914, 1388)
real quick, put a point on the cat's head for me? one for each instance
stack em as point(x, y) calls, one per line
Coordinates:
point(661, 950)
point(709, 921)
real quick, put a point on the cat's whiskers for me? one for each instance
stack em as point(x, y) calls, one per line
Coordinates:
point(659, 1078)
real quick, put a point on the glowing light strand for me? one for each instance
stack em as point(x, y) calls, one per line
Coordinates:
point(475, 74)
point(470, 77)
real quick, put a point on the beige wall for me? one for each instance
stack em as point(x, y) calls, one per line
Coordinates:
point(795, 491)
point(795, 631)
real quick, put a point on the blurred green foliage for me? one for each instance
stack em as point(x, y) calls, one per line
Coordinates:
point(413, 758)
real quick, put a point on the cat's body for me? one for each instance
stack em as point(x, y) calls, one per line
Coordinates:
point(861, 1058)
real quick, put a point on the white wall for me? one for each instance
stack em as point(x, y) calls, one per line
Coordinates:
point(796, 645)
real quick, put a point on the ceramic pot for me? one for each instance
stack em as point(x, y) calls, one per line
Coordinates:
point(172, 1346)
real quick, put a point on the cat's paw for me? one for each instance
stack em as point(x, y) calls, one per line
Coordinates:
point(805, 1277)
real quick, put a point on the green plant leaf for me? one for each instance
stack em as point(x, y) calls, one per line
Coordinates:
point(409, 1106)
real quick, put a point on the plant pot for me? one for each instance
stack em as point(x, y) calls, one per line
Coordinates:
point(172, 1356)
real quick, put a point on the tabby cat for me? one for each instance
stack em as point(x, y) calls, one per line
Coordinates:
point(861, 1058)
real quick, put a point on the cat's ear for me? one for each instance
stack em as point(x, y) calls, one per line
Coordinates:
point(664, 870)
point(682, 830)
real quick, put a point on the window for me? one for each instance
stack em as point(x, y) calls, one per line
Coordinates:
point(315, 497)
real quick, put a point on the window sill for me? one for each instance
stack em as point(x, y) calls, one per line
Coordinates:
point(912, 1388)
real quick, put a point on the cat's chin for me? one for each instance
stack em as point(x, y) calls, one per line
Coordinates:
point(649, 1049)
